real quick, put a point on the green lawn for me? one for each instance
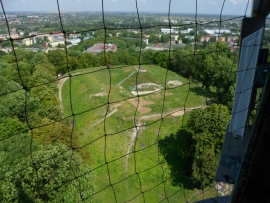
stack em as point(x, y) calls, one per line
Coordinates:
point(94, 95)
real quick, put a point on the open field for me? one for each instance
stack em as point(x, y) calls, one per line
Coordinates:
point(121, 116)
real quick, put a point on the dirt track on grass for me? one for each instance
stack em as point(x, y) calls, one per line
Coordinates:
point(59, 86)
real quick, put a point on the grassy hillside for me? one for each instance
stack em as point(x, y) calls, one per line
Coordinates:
point(134, 163)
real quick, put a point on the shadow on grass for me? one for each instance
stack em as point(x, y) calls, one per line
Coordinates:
point(178, 153)
point(202, 92)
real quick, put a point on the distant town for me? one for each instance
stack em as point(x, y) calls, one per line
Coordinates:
point(44, 31)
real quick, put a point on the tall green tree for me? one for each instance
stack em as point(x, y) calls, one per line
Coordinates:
point(208, 128)
point(165, 38)
point(153, 38)
point(51, 173)
point(38, 58)
point(224, 79)
point(58, 59)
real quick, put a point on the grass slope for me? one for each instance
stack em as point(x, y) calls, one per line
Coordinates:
point(94, 95)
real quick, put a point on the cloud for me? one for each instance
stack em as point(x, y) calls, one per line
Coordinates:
point(143, 1)
point(238, 1)
point(114, 0)
point(23, 1)
point(208, 1)
point(212, 2)
point(79, 1)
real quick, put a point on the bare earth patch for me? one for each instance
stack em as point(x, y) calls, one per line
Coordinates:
point(98, 94)
point(162, 95)
point(115, 105)
point(149, 85)
point(141, 108)
point(152, 86)
point(141, 92)
point(174, 83)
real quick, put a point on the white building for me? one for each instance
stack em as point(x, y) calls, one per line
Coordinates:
point(168, 31)
point(145, 40)
point(21, 33)
point(186, 31)
point(74, 41)
point(217, 31)
point(32, 33)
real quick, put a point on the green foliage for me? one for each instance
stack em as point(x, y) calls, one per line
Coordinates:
point(52, 174)
point(38, 58)
point(43, 73)
point(153, 38)
point(211, 67)
point(208, 128)
point(58, 59)
point(24, 55)
point(53, 132)
point(11, 126)
point(161, 58)
point(2, 53)
point(148, 56)
point(14, 103)
point(24, 75)
point(165, 38)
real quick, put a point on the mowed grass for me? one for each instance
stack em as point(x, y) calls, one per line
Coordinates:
point(126, 159)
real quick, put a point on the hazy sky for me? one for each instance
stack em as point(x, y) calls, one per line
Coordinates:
point(235, 7)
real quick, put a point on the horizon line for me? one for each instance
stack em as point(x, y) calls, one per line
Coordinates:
point(150, 12)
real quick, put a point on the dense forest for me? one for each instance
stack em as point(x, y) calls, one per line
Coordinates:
point(37, 160)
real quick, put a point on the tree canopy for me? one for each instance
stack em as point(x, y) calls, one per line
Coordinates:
point(208, 128)
point(47, 173)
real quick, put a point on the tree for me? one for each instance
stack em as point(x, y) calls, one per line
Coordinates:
point(208, 128)
point(219, 72)
point(43, 73)
point(2, 53)
point(58, 59)
point(153, 38)
point(53, 132)
point(181, 62)
point(21, 74)
point(10, 126)
point(161, 58)
point(165, 38)
point(38, 58)
point(217, 49)
point(24, 55)
point(73, 63)
point(107, 60)
point(207, 72)
point(52, 174)
point(120, 44)
point(185, 41)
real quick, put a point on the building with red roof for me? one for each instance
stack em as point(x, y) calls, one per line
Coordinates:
point(97, 48)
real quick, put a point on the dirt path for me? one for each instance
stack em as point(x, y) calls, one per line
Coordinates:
point(108, 115)
point(59, 86)
point(136, 131)
point(126, 78)
point(133, 135)
point(141, 107)
point(175, 113)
